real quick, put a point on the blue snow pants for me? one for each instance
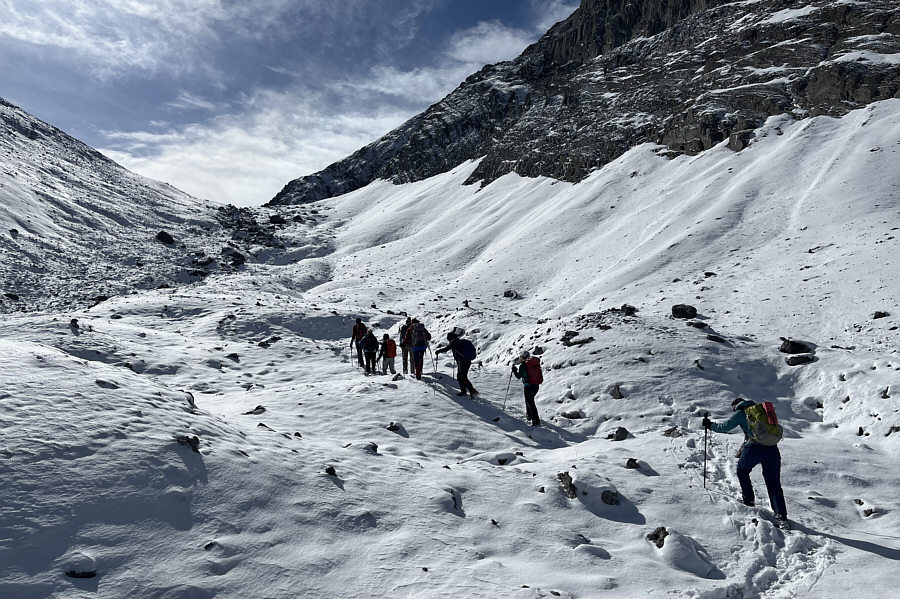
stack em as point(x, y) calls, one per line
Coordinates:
point(769, 457)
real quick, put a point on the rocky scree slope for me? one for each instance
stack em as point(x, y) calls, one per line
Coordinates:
point(687, 74)
point(70, 217)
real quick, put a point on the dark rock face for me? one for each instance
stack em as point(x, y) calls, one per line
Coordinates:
point(616, 74)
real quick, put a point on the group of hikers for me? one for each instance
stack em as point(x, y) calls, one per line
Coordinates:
point(414, 343)
point(757, 421)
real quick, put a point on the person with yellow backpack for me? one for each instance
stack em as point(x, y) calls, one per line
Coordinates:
point(761, 436)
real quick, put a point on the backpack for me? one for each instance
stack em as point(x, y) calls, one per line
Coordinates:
point(390, 349)
point(419, 335)
point(763, 423)
point(370, 343)
point(466, 349)
point(533, 372)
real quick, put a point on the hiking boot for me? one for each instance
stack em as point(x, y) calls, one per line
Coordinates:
point(782, 523)
point(461, 393)
point(749, 503)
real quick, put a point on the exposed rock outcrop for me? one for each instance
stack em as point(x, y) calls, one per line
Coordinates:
point(616, 74)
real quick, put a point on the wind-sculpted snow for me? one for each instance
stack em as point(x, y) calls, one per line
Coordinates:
point(688, 75)
point(219, 440)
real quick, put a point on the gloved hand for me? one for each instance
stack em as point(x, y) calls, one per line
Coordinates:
point(514, 371)
point(707, 423)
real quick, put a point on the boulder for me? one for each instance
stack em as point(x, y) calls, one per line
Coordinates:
point(658, 536)
point(799, 359)
point(790, 346)
point(165, 238)
point(684, 311)
point(620, 434)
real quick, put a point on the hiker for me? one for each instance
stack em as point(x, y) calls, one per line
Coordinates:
point(418, 337)
point(406, 344)
point(359, 331)
point(751, 453)
point(387, 352)
point(370, 349)
point(527, 368)
point(463, 353)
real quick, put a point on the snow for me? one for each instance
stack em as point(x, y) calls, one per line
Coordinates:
point(790, 14)
point(795, 236)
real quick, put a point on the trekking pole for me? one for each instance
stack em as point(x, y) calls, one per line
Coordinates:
point(508, 383)
point(705, 438)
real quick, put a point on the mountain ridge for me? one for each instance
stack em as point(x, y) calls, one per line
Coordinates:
point(686, 75)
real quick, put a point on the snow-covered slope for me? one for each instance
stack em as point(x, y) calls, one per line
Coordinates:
point(75, 223)
point(300, 488)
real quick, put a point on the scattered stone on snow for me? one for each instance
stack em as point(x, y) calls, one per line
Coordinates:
point(80, 565)
point(395, 427)
point(268, 342)
point(233, 357)
point(628, 310)
point(892, 430)
point(192, 442)
point(684, 311)
point(298, 435)
point(397, 377)
point(715, 338)
point(165, 238)
point(609, 497)
point(616, 392)
point(791, 346)
point(798, 359)
point(255, 411)
point(880, 314)
point(511, 294)
point(632, 464)
point(696, 324)
point(190, 399)
point(573, 414)
point(106, 384)
point(620, 434)
point(672, 432)
point(658, 536)
point(330, 471)
point(566, 484)
point(886, 394)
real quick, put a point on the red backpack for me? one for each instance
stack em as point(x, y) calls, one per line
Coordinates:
point(533, 372)
point(390, 349)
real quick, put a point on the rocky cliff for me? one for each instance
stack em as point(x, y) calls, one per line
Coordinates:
point(686, 74)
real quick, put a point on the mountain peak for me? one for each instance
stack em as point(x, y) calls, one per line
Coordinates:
point(685, 74)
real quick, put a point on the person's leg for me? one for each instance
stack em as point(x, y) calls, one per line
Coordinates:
point(359, 354)
point(407, 358)
point(530, 407)
point(464, 383)
point(771, 470)
point(750, 457)
point(462, 367)
point(391, 365)
point(419, 360)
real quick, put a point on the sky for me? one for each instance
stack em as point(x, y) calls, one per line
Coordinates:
point(229, 100)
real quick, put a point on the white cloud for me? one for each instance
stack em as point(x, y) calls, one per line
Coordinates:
point(488, 42)
point(116, 37)
point(273, 137)
point(245, 159)
point(550, 12)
